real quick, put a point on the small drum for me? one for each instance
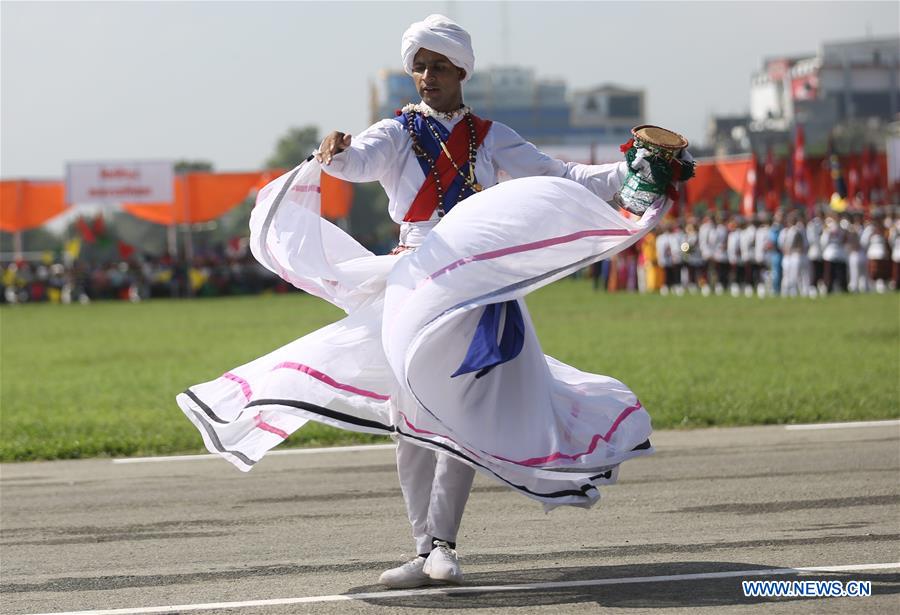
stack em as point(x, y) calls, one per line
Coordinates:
point(652, 165)
point(658, 141)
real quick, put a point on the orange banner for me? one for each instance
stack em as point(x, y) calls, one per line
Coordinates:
point(734, 172)
point(706, 184)
point(26, 205)
point(715, 177)
point(337, 196)
point(200, 197)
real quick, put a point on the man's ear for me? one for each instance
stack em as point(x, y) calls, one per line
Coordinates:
point(462, 73)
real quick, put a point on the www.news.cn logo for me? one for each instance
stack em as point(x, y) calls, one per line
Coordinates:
point(801, 589)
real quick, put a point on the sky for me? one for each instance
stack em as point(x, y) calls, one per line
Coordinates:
point(222, 81)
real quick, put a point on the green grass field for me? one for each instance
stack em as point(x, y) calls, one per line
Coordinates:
point(80, 381)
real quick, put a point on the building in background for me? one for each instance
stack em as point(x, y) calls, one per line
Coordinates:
point(850, 88)
point(726, 135)
point(588, 124)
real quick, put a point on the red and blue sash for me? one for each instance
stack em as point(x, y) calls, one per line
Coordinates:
point(485, 351)
point(454, 187)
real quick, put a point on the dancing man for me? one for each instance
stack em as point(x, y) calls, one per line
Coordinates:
point(405, 155)
point(438, 349)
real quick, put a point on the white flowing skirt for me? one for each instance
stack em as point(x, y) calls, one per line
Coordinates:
point(542, 427)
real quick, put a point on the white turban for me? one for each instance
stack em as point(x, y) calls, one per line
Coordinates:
point(441, 35)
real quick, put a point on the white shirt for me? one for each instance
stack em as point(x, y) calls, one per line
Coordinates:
point(663, 250)
point(748, 240)
point(693, 256)
point(762, 238)
point(733, 247)
point(676, 238)
point(874, 242)
point(383, 153)
point(813, 238)
point(793, 240)
point(894, 238)
point(705, 239)
point(719, 243)
point(832, 240)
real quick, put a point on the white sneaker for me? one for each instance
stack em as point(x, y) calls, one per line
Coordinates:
point(406, 576)
point(442, 564)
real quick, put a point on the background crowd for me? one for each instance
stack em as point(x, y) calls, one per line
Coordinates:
point(212, 274)
point(789, 254)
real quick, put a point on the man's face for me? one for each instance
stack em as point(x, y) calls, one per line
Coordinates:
point(437, 80)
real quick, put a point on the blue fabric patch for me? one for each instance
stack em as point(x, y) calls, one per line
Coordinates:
point(426, 138)
point(484, 353)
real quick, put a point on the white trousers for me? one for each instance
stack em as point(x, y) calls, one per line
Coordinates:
point(796, 275)
point(436, 487)
point(856, 270)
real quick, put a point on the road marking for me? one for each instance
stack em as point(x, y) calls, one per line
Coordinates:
point(378, 447)
point(483, 589)
point(288, 451)
point(842, 425)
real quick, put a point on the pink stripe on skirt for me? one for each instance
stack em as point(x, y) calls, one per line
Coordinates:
point(306, 369)
point(245, 386)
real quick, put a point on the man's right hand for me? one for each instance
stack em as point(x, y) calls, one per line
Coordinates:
point(333, 143)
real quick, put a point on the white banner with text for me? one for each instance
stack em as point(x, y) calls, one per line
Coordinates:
point(115, 182)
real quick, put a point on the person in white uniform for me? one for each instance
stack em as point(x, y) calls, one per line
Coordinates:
point(796, 266)
point(748, 242)
point(664, 256)
point(893, 226)
point(875, 242)
point(759, 255)
point(735, 255)
point(857, 280)
point(720, 252)
point(677, 240)
point(692, 257)
point(814, 230)
point(834, 252)
point(403, 155)
point(705, 244)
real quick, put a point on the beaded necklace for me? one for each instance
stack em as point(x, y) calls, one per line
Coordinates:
point(427, 111)
point(420, 152)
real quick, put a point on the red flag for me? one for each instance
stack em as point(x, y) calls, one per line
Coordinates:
point(236, 247)
point(802, 185)
point(748, 202)
point(789, 178)
point(99, 226)
point(87, 234)
point(772, 193)
point(125, 251)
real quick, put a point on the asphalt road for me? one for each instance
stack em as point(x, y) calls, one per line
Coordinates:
point(94, 535)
